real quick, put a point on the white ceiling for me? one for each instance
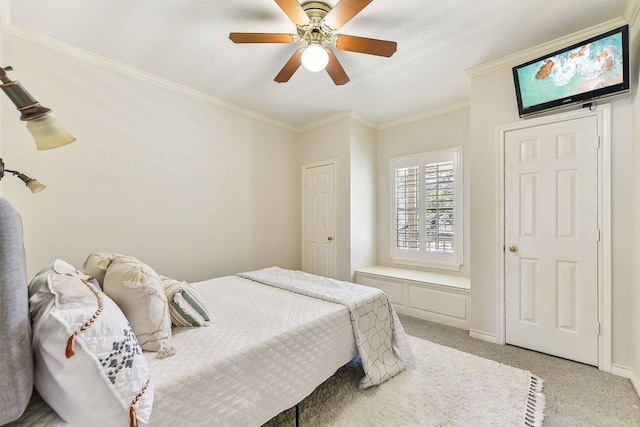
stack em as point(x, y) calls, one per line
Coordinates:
point(186, 42)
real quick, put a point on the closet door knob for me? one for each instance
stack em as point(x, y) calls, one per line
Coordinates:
point(513, 248)
point(330, 238)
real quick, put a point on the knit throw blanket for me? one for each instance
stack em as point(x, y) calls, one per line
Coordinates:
point(382, 344)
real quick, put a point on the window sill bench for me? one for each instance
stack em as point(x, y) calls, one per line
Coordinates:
point(439, 298)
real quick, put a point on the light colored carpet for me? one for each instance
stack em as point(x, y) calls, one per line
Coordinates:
point(576, 394)
point(447, 388)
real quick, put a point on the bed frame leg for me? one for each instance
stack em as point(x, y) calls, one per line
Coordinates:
point(297, 414)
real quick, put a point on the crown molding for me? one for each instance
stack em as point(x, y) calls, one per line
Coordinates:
point(425, 115)
point(327, 121)
point(5, 14)
point(536, 51)
point(631, 11)
point(350, 114)
point(364, 120)
point(379, 126)
point(27, 34)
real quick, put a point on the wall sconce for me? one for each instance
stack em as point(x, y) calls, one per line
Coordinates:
point(32, 184)
point(45, 130)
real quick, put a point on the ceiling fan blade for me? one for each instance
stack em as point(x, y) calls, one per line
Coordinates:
point(290, 67)
point(262, 37)
point(343, 12)
point(366, 45)
point(335, 70)
point(294, 11)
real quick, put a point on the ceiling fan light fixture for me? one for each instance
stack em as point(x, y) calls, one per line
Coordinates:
point(315, 58)
point(317, 24)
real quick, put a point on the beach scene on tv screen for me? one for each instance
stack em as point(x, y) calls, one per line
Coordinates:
point(589, 67)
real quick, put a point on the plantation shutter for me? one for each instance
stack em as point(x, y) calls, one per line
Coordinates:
point(439, 206)
point(426, 211)
point(407, 211)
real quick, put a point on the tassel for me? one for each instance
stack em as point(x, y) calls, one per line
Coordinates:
point(165, 350)
point(137, 277)
point(133, 420)
point(69, 351)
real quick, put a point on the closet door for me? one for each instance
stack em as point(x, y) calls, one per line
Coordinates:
point(551, 238)
point(318, 236)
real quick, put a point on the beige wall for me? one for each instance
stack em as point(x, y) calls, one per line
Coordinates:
point(442, 131)
point(633, 184)
point(193, 190)
point(492, 104)
point(363, 196)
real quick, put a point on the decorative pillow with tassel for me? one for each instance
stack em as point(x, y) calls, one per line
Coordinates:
point(185, 306)
point(88, 364)
point(137, 290)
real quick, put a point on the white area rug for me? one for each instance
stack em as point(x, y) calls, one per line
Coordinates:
point(447, 388)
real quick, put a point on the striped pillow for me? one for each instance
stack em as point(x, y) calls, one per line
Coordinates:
point(186, 308)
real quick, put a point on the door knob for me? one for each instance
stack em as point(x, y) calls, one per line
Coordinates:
point(330, 238)
point(513, 248)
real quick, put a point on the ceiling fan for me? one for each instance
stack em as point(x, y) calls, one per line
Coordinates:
point(317, 24)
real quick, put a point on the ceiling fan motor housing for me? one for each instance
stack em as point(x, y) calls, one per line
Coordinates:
point(316, 9)
point(316, 31)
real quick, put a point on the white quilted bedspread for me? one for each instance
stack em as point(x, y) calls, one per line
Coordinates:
point(265, 350)
point(382, 343)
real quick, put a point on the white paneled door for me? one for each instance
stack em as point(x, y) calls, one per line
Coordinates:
point(551, 238)
point(319, 244)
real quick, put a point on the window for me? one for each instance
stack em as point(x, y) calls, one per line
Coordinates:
point(426, 212)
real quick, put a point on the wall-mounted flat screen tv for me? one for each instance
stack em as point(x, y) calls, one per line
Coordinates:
point(579, 74)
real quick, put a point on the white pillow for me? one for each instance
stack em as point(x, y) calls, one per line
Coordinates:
point(137, 290)
point(62, 267)
point(88, 365)
point(39, 293)
point(185, 305)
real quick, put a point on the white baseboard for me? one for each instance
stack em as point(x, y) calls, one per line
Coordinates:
point(483, 336)
point(623, 371)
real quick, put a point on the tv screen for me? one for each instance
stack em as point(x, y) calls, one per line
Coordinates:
point(592, 69)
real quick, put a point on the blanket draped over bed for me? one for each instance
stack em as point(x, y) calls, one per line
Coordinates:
point(382, 343)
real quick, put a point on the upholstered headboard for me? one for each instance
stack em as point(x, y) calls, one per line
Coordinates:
point(16, 360)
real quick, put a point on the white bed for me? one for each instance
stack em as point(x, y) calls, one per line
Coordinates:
point(283, 346)
point(265, 351)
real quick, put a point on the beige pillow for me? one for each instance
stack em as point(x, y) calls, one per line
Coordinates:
point(137, 290)
point(96, 265)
